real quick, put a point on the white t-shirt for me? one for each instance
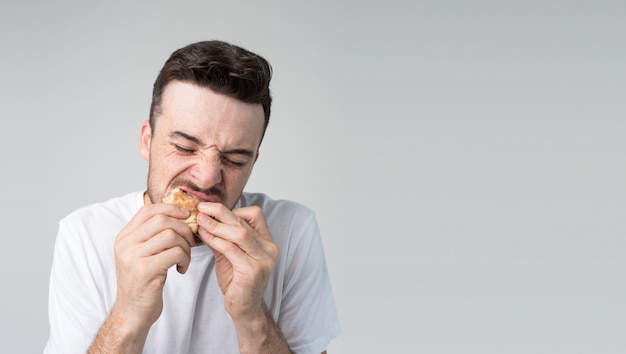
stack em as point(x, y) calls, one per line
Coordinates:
point(83, 284)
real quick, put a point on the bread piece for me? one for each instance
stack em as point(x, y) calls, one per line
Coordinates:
point(178, 197)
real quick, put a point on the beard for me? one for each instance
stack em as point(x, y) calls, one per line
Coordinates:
point(156, 196)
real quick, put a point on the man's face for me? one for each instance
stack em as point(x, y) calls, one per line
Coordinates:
point(204, 142)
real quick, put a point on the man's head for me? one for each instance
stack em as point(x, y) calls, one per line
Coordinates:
point(210, 108)
point(224, 68)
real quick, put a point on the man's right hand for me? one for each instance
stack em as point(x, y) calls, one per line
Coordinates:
point(154, 240)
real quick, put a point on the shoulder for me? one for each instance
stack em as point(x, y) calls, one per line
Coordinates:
point(115, 207)
point(99, 220)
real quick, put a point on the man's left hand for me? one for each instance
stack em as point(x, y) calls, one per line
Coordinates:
point(245, 254)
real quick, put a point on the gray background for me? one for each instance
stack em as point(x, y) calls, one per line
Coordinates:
point(465, 158)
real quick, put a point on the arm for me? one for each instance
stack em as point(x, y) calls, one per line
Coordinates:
point(117, 335)
point(245, 255)
point(153, 241)
point(261, 335)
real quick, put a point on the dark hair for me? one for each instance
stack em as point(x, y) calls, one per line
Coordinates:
point(224, 68)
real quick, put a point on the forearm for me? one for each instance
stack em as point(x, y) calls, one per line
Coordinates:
point(261, 335)
point(119, 336)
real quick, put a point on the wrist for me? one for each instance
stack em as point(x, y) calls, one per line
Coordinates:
point(131, 322)
point(121, 333)
point(253, 323)
point(258, 333)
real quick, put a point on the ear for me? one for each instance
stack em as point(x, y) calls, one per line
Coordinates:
point(145, 139)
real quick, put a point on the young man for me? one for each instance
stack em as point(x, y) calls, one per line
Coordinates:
point(129, 276)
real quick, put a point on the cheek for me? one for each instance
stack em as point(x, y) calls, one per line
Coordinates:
point(240, 178)
point(165, 168)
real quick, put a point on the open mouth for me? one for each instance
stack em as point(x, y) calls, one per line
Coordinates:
point(200, 195)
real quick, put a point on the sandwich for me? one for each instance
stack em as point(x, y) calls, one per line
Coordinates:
point(180, 198)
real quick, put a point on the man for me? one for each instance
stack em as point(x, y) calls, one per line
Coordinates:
point(128, 275)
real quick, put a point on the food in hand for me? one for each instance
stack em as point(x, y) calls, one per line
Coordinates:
point(179, 197)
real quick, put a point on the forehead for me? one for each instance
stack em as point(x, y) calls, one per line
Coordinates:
point(210, 116)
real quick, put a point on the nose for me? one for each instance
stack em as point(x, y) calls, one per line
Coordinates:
point(207, 171)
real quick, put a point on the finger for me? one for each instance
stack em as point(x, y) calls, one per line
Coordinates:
point(231, 251)
point(150, 211)
point(219, 212)
point(253, 215)
point(242, 235)
point(241, 246)
point(171, 210)
point(169, 257)
point(159, 223)
point(246, 218)
point(163, 241)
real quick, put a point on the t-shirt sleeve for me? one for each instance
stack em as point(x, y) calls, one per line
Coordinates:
point(76, 309)
point(308, 316)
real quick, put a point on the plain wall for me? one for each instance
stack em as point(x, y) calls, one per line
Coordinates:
point(465, 158)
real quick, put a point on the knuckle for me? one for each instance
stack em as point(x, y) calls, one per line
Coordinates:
point(169, 236)
point(178, 252)
point(273, 250)
point(160, 218)
point(241, 235)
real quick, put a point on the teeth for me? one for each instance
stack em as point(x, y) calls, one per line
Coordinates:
point(184, 191)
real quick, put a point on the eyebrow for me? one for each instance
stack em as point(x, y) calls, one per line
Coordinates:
point(179, 134)
point(244, 152)
point(195, 140)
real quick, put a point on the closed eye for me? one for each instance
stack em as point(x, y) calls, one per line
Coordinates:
point(233, 162)
point(184, 150)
